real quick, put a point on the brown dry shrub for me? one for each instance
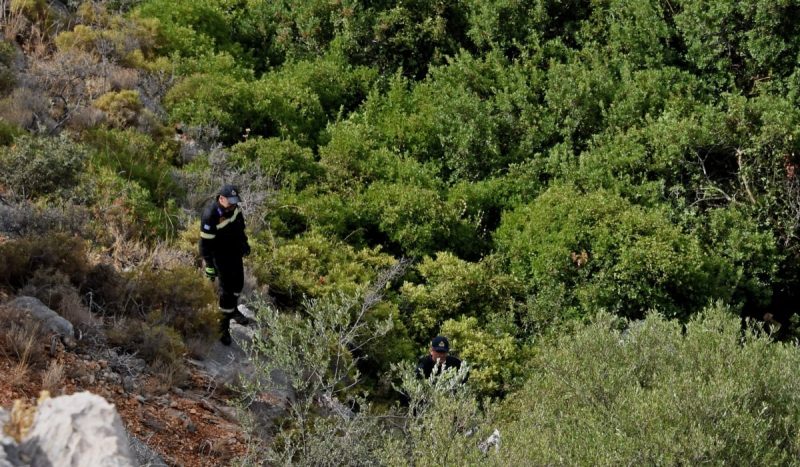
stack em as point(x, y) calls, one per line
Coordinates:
point(155, 343)
point(53, 378)
point(25, 218)
point(123, 78)
point(182, 298)
point(26, 108)
point(106, 289)
point(20, 259)
point(169, 375)
point(54, 289)
point(22, 339)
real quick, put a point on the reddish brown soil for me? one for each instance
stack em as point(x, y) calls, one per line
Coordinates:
point(189, 428)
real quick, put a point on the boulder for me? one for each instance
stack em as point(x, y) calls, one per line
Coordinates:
point(145, 456)
point(77, 430)
point(9, 453)
point(51, 321)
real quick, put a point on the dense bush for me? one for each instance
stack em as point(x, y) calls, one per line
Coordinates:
point(603, 252)
point(315, 266)
point(291, 165)
point(221, 100)
point(450, 288)
point(180, 298)
point(657, 393)
point(22, 339)
point(414, 220)
point(53, 288)
point(495, 359)
point(157, 344)
point(21, 259)
point(7, 75)
point(35, 166)
point(138, 157)
point(122, 209)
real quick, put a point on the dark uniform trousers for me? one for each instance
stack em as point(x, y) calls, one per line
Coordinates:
point(231, 281)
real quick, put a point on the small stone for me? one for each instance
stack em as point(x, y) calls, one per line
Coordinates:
point(129, 384)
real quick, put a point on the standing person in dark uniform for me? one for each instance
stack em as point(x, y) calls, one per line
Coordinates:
point(223, 244)
point(438, 359)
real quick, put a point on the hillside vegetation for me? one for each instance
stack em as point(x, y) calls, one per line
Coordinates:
point(584, 195)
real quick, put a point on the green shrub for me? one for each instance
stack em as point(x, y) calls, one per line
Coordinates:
point(749, 255)
point(603, 252)
point(282, 108)
point(449, 288)
point(214, 99)
point(495, 359)
point(7, 76)
point(415, 220)
point(288, 163)
point(136, 156)
point(35, 166)
point(8, 132)
point(315, 265)
point(190, 28)
point(339, 86)
point(656, 393)
point(123, 209)
point(121, 108)
point(470, 119)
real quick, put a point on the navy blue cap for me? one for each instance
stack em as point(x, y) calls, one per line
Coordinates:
point(440, 344)
point(231, 193)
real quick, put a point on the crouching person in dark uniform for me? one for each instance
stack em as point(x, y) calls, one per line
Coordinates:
point(438, 359)
point(223, 244)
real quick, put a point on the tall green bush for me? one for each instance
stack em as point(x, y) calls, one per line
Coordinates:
point(604, 253)
point(35, 166)
point(656, 393)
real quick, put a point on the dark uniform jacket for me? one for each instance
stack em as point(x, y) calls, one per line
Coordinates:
point(222, 233)
point(426, 365)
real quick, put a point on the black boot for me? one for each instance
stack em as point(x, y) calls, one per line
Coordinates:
point(225, 329)
point(239, 317)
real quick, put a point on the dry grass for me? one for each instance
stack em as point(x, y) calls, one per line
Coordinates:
point(21, 345)
point(198, 348)
point(53, 377)
point(128, 253)
point(168, 376)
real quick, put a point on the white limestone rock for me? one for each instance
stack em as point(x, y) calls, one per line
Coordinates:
point(77, 430)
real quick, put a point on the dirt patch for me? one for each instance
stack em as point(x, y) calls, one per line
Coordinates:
point(186, 427)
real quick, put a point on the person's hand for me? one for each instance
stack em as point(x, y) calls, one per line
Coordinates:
point(245, 249)
point(211, 273)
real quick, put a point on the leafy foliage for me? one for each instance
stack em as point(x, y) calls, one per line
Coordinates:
point(35, 166)
point(656, 393)
point(606, 254)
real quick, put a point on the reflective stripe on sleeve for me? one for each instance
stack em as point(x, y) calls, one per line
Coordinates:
point(207, 235)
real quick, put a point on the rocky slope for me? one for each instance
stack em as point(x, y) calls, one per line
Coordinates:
point(190, 424)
